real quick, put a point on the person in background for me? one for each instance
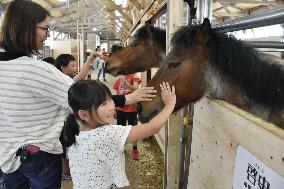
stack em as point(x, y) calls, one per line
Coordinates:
point(104, 53)
point(100, 62)
point(126, 84)
point(33, 101)
point(67, 64)
point(49, 60)
point(96, 151)
point(87, 54)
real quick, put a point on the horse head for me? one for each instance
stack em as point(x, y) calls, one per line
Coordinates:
point(225, 68)
point(146, 51)
point(182, 68)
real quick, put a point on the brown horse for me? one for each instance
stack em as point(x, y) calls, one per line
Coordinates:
point(147, 50)
point(203, 62)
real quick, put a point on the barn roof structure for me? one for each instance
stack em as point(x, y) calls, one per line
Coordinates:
point(114, 19)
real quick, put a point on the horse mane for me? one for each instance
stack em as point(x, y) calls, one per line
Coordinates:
point(261, 79)
point(159, 34)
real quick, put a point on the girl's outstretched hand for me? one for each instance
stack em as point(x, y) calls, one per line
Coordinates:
point(168, 94)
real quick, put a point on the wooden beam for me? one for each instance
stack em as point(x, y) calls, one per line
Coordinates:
point(123, 30)
point(235, 7)
point(136, 4)
point(225, 8)
point(120, 35)
point(237, 14)
point(64, 15)
point(126, 16)
point(126, 25)
point(263, 2)
point(218, 9)
point(63, 6)
point(139, 19)
point(172, 156)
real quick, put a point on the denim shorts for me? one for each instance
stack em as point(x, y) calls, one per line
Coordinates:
point(41, 171)
point(1, 180)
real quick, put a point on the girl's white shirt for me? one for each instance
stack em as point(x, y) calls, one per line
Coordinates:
point(97, 158)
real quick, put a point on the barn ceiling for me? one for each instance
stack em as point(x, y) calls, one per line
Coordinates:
point(111, 19)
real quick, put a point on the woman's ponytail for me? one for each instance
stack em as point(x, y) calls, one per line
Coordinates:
point(70, 130)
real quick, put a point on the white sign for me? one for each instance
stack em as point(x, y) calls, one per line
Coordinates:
point(250, 173)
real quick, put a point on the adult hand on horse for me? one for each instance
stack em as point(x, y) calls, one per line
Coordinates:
point(140, 94)
point(168, 94)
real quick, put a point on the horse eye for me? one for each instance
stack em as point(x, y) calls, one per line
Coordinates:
point(134, 44)
point(173, 65)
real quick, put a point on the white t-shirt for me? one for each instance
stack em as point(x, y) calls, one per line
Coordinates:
point(97, 158)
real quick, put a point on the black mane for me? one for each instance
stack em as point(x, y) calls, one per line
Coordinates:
point(260, 78)
point(160, 35)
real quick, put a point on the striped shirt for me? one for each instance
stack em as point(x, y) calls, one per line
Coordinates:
point(33, 107)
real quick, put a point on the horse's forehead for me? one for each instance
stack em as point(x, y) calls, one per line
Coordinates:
point(180, 53)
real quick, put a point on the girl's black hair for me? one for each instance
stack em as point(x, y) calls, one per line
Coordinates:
point(63, 60)
point(83, 95)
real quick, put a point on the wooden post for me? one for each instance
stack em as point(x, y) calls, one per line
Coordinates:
point(174, 17)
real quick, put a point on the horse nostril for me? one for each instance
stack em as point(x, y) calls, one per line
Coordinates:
point(139, 108)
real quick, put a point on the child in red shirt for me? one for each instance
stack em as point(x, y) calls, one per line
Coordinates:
point(124, 85)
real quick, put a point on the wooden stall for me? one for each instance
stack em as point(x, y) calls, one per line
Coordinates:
point(226, 139)
point(219, 129)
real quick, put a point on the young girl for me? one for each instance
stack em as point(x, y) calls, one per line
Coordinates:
point(96, 154)
point(127, 115)
point(66, 63)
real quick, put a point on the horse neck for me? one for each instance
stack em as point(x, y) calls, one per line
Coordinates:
point(222, 87)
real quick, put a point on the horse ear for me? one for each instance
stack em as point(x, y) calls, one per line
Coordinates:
point(148, 29)
point(203, 31)
point(206, 25)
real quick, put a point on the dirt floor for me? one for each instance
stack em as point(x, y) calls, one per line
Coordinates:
point(147, 172)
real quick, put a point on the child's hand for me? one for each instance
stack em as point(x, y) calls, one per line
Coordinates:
point(168, 94)
point(93, 56)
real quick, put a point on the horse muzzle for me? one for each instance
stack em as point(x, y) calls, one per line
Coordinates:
point(143, 116)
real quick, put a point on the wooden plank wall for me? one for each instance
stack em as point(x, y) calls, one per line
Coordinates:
point(174, 19)
point(218, 129)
